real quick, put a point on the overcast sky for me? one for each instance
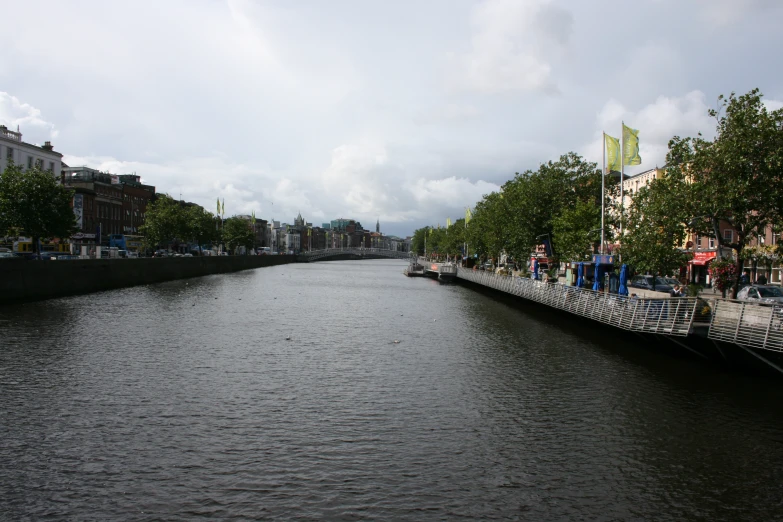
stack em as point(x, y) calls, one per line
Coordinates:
point(407, 111)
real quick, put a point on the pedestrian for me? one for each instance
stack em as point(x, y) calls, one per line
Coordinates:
point(761, 280)
point(676, 291)
point(744, 278)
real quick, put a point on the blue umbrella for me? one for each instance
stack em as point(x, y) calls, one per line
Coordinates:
point(623, 290)
point(579, 277)
point(535, 269)
point(597, 278)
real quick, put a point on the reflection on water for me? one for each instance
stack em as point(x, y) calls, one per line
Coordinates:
point(185, 399)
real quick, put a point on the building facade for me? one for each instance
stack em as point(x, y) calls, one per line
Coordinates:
point(13, 149)
point(102, 208)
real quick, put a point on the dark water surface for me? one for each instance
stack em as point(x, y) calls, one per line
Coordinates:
point(185, 400)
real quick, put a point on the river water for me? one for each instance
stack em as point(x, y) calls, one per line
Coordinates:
point(187, 399)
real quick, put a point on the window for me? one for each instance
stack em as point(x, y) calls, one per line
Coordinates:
point(9, 154)
point(39, 163)
point(698, 241)
point(51, 166)
point(728, 235)
point(29, 162)
point(712, 242)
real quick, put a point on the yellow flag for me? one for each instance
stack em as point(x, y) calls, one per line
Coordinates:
point(448, 222)
point(468, 215)
point(631, 146)
point(612, 153)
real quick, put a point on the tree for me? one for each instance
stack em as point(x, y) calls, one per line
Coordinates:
point(33, 201)
point(530, 204)
point(656, 224)
point(737, 178)
point(572, 229)
point(237, 233)
point(165, 222)
point(201, 226)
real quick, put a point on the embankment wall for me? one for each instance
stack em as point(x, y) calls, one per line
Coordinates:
point(22, 280)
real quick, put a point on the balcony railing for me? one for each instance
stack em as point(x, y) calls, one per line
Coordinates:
point(668, 316)
point(16, 136)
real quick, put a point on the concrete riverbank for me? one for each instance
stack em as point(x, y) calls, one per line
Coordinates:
point(22, 280)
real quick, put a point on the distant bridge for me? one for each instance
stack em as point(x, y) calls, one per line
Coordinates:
point(350, 253)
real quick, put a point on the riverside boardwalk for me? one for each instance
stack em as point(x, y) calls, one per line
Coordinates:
point(710, 327)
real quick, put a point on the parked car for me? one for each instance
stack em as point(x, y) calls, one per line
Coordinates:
point(7, 255)
point(645, 282)
point(761, 293)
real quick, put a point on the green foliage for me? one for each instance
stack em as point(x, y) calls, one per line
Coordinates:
point(164, 223)
point(656, 227)
point(562, 198)
point(572, 228)
point(35, 203)
point(236, 233)
point(169, 221)
point(736, 178)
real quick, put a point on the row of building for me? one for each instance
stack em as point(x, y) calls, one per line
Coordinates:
point(109, 205)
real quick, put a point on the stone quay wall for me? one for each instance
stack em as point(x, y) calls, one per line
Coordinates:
point(23, 280)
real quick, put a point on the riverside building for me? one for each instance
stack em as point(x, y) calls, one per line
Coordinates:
point(13, 149)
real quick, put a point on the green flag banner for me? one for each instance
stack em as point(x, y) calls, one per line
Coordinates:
point(631, 146)
point(612, 153)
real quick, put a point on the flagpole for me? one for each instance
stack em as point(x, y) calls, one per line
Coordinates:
point(622, 179)
point(603, 188)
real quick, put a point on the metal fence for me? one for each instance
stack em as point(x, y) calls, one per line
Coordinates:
point(756, 325)
point(668, 316)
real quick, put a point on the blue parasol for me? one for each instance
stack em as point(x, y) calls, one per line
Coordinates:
point(623, 290)
point(579, 275)
point(535, 269)
point(597, 278)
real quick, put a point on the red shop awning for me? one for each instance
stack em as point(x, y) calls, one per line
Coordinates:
point(702, 258)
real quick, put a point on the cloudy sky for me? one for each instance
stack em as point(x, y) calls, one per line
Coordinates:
point(407, 111)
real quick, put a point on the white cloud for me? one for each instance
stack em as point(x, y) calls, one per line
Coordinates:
point(657, 123)
point(447, 114)
point(511, 44)
point(34, 128)
point(726, 12)
point(407, 111)
point(773, 105)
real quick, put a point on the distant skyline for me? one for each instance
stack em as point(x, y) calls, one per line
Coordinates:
point(406, 112)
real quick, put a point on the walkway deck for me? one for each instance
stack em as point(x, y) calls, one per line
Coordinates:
point(668, 316)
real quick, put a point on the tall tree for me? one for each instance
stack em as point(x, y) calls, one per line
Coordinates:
point(33, 201)
point(574, 230)
point(656, 225)
point(201, 225)
point(165, 222)
point(737, 178)
point(237, 233)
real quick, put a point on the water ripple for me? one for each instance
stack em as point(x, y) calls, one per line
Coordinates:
point(185, 400)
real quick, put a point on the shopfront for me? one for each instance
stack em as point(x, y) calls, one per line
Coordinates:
point(699, 266)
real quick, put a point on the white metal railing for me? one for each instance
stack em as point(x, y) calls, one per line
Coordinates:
point(757, 325)
point(668, 316)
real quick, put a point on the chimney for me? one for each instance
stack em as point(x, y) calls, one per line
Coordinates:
point(47, 146)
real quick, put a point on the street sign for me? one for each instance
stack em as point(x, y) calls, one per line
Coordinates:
point(603, 259)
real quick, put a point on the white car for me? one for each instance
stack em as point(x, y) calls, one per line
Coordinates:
point(761, 293)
